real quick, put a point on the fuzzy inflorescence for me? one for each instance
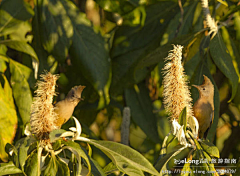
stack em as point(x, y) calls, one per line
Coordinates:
point(175, 89)
point(42, 110)
point(209, 20)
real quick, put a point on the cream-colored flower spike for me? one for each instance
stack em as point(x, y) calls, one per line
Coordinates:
point(211, 23)
point(176, 95)
point(42, 110)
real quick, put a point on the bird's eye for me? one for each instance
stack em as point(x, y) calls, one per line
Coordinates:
point(203, 88)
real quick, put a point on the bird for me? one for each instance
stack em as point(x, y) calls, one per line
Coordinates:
point(203, 108)
point(64, 108)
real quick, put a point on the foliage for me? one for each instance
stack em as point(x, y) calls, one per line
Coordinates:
point(117, 50)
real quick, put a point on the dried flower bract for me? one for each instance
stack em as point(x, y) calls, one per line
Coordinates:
point(176, 93)
point(42, 110)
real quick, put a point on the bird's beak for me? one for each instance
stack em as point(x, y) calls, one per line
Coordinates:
point(80, 99)
point(196, 86)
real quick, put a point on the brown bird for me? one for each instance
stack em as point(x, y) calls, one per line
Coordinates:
point(203, 108)
point(64, 108)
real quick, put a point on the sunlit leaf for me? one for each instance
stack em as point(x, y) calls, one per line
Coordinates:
point(211, 149)
point(8, 117)
point(96, 168)
point(21, 90)
point(223, 2)
point(20, 46)
point(55, 28)
point(78, 152)
point(52, 167)
point(13, 13)
point(9, 168)
point(62, 167)
point(183, 118)
point(22, 147)
point(161, 165)
point(125, 158)
point(88, 53)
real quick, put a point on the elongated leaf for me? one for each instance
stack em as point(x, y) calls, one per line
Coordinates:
point(186, 24)
point(183, 118)
point(37, 41)
point(96, 168)
point(31, 167)
point(161, 165)
point(88, 52)
point(12, 13)
point(138, 100)
point(8, 117)
point(62, 167)
point(223, 61)
point(125, 158)
point(9, 168)
point(22, 147)
point(78, 152)
point(25, 48)
point(21, 46)
point(21, 90)
point(187, 169)
point(55, 28)
point(211, 149)
point(55, 134)
point(51, 169)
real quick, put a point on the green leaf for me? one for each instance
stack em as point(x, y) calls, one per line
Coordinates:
point(88, 53)
point(210, 148)
point(182, 120)
point(138, 100)
point(21, 90)
point(125, 158)
point(52, 168)
point(3, 65)
point(62, 167)
point(223, 60)
point(8, 117)
point(22, 47)
point(23, 32)
point(55, 134)
point(78, 152)
point(31, 167)
point(186, 24)
point(56, 29)
point(13, 13)
point(22, 146)
point(9, 168)
point(110, 168)
point(223, 2)
point(187, 169)
point(161, 165)
point(192, 64)
point(96, 168)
